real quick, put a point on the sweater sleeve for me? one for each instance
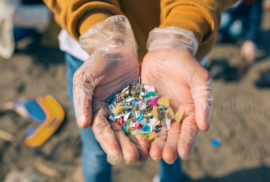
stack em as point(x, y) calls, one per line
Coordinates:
point(77, 16)
point(201, 17)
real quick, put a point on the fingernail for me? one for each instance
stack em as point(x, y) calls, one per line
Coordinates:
point(156, 159)
point(81, 122)
point(114, 160)
point(170, 162)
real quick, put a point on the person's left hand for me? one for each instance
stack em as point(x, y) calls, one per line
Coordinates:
point(248, 51)
point(178, 75)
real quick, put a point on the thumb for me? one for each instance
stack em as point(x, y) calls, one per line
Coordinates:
point(203, 100)
point(82, 97)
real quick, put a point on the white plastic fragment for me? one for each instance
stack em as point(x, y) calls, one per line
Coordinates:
point(168, 123)
point(125, 89)
point(143, 121)
point(132, 124)
point(111, 107)
point(126, 116)
point(149, 88)
point(142, 94)
point(142, 104)
point(118, 117)
point(154, 122)
point(137, 114)
point(130, 99)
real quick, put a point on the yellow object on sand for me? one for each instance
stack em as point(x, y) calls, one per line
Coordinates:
point(54, 117)
point(179, 115)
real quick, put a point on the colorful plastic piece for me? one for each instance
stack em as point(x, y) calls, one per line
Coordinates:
point(47, 112)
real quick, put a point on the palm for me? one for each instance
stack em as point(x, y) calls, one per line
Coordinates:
point(178, 75)
point(98, 78)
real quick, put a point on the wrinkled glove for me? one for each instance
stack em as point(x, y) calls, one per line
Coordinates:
point(112, 65)
point(171, 68)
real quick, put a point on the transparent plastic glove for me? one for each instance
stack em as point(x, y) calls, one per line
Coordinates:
point(177, 74)
point(112, 66)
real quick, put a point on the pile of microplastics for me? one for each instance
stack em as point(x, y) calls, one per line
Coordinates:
point(139, 110)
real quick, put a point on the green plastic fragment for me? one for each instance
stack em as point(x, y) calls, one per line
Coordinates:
point(125, 127)
point(151, 94)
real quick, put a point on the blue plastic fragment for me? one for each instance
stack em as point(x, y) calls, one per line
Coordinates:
point(140, 118)
point(158, 129)
point(110, 99)
point(132, 113)
point(161, 108)
point(215, 142)
point(146, 128)
point(112, 114)
point(135, 102)
point(140, 80)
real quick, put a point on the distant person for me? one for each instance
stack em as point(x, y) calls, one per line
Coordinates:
point(20, 19)
point(241, 23)
point(266, 6)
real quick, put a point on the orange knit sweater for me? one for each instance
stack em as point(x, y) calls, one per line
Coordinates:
point(202, 17)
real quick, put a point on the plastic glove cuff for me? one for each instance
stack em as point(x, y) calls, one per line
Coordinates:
point(172, 38)
point(115, 31)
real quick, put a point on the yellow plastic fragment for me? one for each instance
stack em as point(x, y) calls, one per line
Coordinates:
point(145, 116)
point(164, 102)
point(179, 115)
point(127, 92)
point(119, 109)
point(171, 114)
point(155, 112)
point(152, 136)
point(120, 104)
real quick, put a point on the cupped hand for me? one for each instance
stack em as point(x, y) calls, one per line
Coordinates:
point(178, 75)
point(98, 78)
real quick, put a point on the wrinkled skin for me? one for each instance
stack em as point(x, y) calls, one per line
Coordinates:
point(98, 78)
point(178, 75)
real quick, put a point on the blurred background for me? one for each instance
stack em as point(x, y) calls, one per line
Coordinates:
point(235, 149)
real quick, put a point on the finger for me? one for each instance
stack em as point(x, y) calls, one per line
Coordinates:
point(129, 150)
point(142, 140)
point(157, 145)
point(203, 100)
point(82, 107)
point(106, 137)
point(142, 144)
point(169, 153)
point(188, 136)
point(82, 98)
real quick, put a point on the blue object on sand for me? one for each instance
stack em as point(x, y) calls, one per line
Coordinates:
point(215, 142)
point(35, 112)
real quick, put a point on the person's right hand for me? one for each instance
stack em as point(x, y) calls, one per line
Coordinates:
point(112, 66)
